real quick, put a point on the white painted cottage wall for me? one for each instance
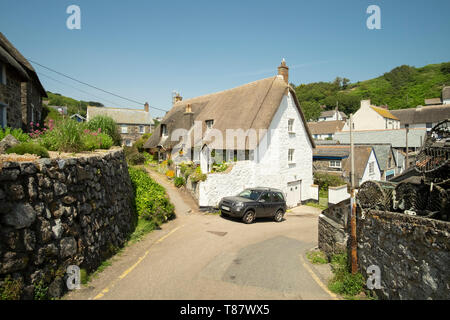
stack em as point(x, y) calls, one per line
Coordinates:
point(376, 174)
point(270, 166)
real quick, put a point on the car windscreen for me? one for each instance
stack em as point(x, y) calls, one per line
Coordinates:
point(250, 194)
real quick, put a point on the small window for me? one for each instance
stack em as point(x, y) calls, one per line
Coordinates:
point(278, 197)
point(209, 123)
point(291, 125)
point(124, 129)
point(247, 154)
point(3, 123)
point(164, 130)
point(291, 155)
point(2, 73)
point(128, 143)
point(141, 129)
point(389, 162)
point(429, 125)
point(371, 167)
point(335, 164)
point(32, 112)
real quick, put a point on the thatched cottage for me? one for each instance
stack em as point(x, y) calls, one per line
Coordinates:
point(259, 128)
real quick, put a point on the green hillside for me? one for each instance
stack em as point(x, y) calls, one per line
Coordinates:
point(402, 87)
point(73, 106)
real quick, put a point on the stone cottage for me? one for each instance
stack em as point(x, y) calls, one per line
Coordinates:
point(133, 123)
point(259, 128)
point(21, 91)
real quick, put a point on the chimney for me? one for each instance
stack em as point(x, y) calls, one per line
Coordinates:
point(283, 70)
point(365, 104)
point(146, 107)
point(177, 98)
point(188, 116)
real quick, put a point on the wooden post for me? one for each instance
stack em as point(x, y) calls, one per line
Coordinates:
point(353, 204)
point(407, 151)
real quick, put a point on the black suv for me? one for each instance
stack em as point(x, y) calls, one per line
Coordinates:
point(255, 203)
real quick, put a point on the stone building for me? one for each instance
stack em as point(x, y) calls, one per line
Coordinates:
point(21, 91)
point(133, 123)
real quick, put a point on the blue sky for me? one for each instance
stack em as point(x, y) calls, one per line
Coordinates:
point(145, 49)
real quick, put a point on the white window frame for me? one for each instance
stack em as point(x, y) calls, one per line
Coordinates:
point(141, 129)
point(164, 131)
point(128, 143)
point(291, 155)
point(335, 164)
point(209, 123)
point(371, 167)
point(4, 119)
point(124, 128)
point(290, 125)
point(32, 112)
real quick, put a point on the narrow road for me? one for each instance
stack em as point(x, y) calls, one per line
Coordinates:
point(199, 256)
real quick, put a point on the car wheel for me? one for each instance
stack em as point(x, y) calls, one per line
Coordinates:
point(279, 216)
point(249, 217)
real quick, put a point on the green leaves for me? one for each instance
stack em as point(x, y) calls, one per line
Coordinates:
point(151, 199)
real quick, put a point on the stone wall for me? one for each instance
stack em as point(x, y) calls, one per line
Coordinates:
point(60, 212)
point(10, 94)
point(31, 103)
point(333, 228)
point(412, 252)
point(133, 133)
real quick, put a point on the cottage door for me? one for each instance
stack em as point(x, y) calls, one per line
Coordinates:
point(294, 195)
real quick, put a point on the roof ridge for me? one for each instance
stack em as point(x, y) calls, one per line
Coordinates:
point(222, 91)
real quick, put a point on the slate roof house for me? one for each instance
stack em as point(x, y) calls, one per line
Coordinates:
point(423, 116)
point(337, 160)
point(133, 123)
point(370, 117)
point(276, 148)
point(21, 91)
point(332, 115)
point(325, 130)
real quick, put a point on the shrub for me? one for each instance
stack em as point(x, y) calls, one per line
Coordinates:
point(170, 174)
point(95, 140)
point(136, 158)
point(179, 182)
point(67, 136)
point(219, 167)
point(16, 133)
point(11, 289)
point(30, 148)
point(198, 175)
point(107, 125)
point(151, 199)
point(325, 180)
point(139, 144)
point(343, 282)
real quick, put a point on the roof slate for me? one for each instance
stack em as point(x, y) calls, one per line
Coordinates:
point(122, 115)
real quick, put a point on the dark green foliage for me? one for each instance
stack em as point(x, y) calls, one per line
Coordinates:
point(151, 199)
point(107, 125)
point(73, 106)
point(30, 148)
point(139, 144)
point(324, 180)
point(16, 133)
point(136, 158)
point(343, 282)
point(402, 87)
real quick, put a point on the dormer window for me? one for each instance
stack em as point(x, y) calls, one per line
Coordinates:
point(209, 123)
point(164, 132)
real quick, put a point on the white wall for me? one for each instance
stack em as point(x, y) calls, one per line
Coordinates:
point(337, 194)
point(314, 192)
point(368, 119)
point(270, 167)
point(376, 175)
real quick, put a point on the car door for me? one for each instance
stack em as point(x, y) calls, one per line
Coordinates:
point(264, 202)
point(276, 204)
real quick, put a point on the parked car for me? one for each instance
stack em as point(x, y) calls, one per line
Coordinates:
point(255, 203)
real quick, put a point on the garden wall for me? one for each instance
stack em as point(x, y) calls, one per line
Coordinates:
point(60, 212)
point(412, 252)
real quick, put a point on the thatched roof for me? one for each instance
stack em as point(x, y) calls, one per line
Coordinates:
point(26, 66)
point(326, 127)
point(122, 115)
point(251, 106)
point(427, 114)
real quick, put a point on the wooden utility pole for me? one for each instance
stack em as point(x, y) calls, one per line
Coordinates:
point(407, 150)
point(353, 203)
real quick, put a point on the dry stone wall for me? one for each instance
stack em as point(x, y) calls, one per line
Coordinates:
point(60, 212)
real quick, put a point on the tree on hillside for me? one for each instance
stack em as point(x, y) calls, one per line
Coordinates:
point(311, 110)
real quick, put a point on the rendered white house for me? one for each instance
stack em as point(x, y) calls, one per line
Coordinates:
point(265, 115)
point(369, 117)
